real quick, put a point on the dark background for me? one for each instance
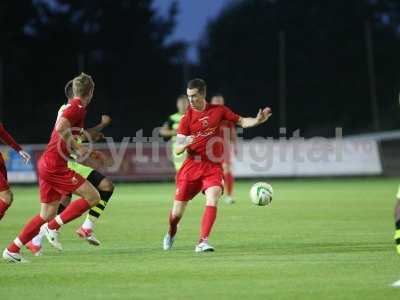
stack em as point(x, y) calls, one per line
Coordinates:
point(318, 64)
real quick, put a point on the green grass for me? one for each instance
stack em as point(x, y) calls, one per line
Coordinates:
point(320, 239)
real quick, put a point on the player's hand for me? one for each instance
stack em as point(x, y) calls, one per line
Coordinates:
point(82, 152)
point(96, 136)
point(25, 156)
point(105, 120)
point(263, 115)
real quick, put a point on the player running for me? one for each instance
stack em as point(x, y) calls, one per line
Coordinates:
point(202, 171)
point(6, 196)
point(105, 187)
point(171, 125)
point(98, 180)
point(227, 131)
point(56, 180)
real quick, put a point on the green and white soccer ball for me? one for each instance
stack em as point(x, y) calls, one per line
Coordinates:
point(261, 194)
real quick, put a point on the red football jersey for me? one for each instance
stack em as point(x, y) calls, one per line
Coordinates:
point(75, 112)
point(204, 126)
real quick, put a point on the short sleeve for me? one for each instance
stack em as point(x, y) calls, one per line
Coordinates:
point(230, 115)
point(74, 114)
point(183, 127)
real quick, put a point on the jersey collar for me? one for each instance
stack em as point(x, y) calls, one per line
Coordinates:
point(76, 99)
point(205, 108)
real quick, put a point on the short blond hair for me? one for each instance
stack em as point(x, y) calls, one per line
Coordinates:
point(82, 85)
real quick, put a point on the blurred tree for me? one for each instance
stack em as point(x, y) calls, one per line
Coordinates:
point(326, 61)
point(123, 44)
point(14, 17)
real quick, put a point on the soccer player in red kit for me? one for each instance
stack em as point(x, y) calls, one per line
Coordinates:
point(6, 196)
point(198, 135)
point(227, 132)
point(56, 180)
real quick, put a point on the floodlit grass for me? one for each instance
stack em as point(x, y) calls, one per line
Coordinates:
point(320, 239)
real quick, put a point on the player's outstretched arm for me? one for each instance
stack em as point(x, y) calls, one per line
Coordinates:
point(262, 116)
point(182, 143)
point(9, 140)
point(167, 132)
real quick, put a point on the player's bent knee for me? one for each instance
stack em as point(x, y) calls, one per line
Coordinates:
point(212, 195)
point(48, 211)
point(93, 198)
point(212, 202)
point(7, 196)
point(179, 208)
point(106, 185)
point(48, 216)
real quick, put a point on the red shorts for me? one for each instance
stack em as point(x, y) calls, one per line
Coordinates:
point(3, 176)
point(55, 184)
point(195, 177)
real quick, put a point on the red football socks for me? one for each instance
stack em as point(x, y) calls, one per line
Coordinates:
point(3, 208)
point(173, 224)
point(209, 216)
point(229, 180)
point(73, 211)
point(30, 230)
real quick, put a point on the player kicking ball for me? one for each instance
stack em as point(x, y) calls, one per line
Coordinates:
point(198, 135)
point(56, 180)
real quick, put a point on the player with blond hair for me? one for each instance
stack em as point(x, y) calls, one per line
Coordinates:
point(56, 180)
point(103, 184)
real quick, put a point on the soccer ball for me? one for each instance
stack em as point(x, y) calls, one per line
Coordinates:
point(261, 194)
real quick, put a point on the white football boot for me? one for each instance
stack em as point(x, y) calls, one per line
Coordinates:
point(13, 257)
point(52, 237)
point(168, 242)
point(229, 200)
point(204, 246)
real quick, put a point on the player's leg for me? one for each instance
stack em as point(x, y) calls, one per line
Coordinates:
point(6, 196)
point(106, 189)
point(185, 191)
point(213, 194)
point(228, 182)
point(31, 229)
point(35, 245)
point(6, 199)
point(175, 215)
point(90, 198)
point(397, 222)
point(397, 232)
point(65, 201)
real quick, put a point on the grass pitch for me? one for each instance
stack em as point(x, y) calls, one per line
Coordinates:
point(320, 239)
